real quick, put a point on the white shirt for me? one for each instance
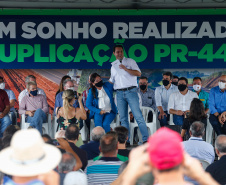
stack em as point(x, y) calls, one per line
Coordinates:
point(162, 95)
point(25, 92)
point(178, 101)
point(120, 77)
point(104, 101)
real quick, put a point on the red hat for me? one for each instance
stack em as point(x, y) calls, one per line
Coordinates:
point(165, 149)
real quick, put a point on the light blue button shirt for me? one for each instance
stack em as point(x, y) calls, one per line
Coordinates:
point(199, 149)
point(162, 95)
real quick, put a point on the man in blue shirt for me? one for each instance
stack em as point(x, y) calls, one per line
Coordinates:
point(12, 99)
point(68, 84)
point(217, 104)
point(203, 95)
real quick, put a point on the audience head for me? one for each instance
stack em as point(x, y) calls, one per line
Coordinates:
point(30, 78)
point(122, 133)
point(67, 163)
point(72, 132)
point(109, 144)
point(2, 83)
point(197, 111)
point(182, 84)
point(165, 154)
point(32, 88)
point(97, 133)
point(76, 178)
point(197, 84)
point(197, 129)
point(175, 80)
point(220, 145)
point(118, 52)
point(222, 82)
point(6, 141)
point(61, 87)
point(27, 145)
point(167, 78)
point(47, 139)
point(143, 83)
point(68, 84)
point(10, 130)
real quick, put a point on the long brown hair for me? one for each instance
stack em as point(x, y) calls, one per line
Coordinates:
point(92, 79)
point(61, 88)
point(197, 111)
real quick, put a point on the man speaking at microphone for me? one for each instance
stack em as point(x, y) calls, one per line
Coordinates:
point(124, 72)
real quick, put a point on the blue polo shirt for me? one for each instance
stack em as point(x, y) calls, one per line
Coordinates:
point(204, 97)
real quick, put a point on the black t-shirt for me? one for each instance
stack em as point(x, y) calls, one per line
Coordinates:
point(124, 152)
point(81, 153)
point(218, 170)
point(186, 124)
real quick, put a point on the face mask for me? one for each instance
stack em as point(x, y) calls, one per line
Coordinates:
point(221, 85)
point(143, 87)
point(175, 83)
point(182, 87)
point(2, 85)
point(99, 84)
point(196, 87)
point(34, 93)
point(70, 88)
point(165, 82)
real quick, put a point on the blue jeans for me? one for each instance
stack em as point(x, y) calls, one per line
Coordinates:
point(219, 129)
point(130, 97)
point(5, 122)
point(37, 120)
point(164, 121)
point(104, 120)
point(178, 120)
point(13, 116)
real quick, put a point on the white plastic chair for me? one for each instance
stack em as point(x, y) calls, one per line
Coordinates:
point(45, 126)
point(171, 120)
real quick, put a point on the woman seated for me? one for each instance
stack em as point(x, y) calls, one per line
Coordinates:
point(68, 114)
point(100, 102)
point(197, 113)
point(61, 88)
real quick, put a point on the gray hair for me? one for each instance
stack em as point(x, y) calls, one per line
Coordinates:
point(220, 143)
point(197, 129)
point(27, 79)
point(97, 133)
point(31, 83)
point(66, 81)
point(67, 163)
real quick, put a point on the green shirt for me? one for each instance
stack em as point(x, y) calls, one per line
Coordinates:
point(204, 97)
point(120, 157)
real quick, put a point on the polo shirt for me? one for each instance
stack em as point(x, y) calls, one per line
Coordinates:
point(204, 97)
point(4, 100)
point(103, 171)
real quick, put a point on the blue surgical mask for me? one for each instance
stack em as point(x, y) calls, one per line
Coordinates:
point(34, 93)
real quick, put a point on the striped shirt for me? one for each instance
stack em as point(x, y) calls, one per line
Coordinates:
point(103, 171)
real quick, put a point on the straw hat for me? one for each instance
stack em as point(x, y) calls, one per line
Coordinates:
point(28, 155)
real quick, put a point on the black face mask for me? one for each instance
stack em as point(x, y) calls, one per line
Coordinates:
point(143, 87)
point(175, 83)
point(165, 82)
point(182, 87)
point(99, 84)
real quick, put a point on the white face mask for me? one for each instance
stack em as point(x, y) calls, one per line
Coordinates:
point(221, 85)
point(196, 87)
point(71, 88)
point(2, 85)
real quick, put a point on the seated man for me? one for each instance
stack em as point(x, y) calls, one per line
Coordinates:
point(196, 147)
point(179, 102)
point(175, 80)
point(67, 84)
point(217, 105)
point(147, 96)
point(122, 133)
point(203, 95)
point(12, 100)
point(217, 169)
point(92, 148)
point(29, 78)
point(4, 110)
point(34, 106)
point(105, 170)
point(162, 94)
